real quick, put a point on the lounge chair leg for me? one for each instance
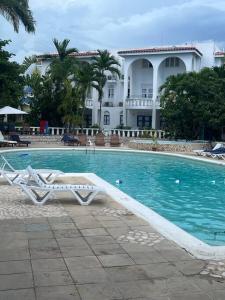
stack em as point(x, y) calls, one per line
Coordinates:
point(84, 200)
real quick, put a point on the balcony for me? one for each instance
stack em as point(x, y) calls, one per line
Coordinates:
point(89, 103)
point(138, 102)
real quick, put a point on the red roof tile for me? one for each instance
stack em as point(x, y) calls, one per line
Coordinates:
point(219, 53)
point(157, 50)
point(79, 54)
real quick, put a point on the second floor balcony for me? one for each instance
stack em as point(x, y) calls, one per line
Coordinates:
point(140, 102)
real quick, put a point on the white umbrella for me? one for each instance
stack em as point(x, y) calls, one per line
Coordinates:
point(8, 110)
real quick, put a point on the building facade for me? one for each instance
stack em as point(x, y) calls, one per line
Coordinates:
point(133, 100)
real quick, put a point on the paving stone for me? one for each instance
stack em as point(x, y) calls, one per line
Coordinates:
point(181, 284)
point(22, 294)
point(37, 227)
point(100, 240)
point(76, 251)
point(45, 252)
point(162, 270)
point(62, 226)
point(147, 257)
point(113, 224)
point(66, 233)
point(66, 292)
point(98, 292)
point(13, 235)
point(16, 281)
point(115, 260)
point(126, 273)
point(52, 278)
point(191, 296)
point(60, 220)
point(116, 232)
point(94, 232)
point(107, 249)
point(142, 288)
point(175, 254)
point(13, 267)
point(48, 265)
point(94, 275)
point(13, 243)
point(48, 243)
point(32, 235)
point(14, 254)
point(72, 242)
point(190, 267)
point(35, 220)
point(85, 262)
point(130, 248)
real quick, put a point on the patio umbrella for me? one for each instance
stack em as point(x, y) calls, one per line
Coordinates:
point(8, 110)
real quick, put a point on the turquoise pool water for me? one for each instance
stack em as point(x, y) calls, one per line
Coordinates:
point(189, 193)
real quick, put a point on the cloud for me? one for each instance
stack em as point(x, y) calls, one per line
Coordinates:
point(118, 24)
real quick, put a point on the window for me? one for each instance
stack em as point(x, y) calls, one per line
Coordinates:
point(106, 118)
point(146, 64)
point(111, 92)
point(146, 93)
point(121, 118)
point(172, 62)
point(143, 121)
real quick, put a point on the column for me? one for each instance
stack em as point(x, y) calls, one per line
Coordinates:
point(155, 94)
point(125, 86)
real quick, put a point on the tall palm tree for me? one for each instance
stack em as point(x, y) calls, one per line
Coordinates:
point(102, 63)
point(16, 11)
point(62, 49)
point(85, 79)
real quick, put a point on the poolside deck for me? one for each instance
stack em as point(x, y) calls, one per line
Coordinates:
point(99, 252)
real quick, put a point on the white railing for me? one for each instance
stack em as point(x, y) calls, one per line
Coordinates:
point(139, 103)
point(93, 131)
point(89, 103)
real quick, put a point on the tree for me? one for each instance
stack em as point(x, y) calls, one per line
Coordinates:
point(85, 79)
point(104, 62)
point(194, 102)
point(16, 11)
point(27, 62)
point(11, 81)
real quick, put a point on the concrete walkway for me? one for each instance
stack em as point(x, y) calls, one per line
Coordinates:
point(63, 251)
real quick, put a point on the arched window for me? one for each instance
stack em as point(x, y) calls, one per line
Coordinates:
point(106, 118)
point(121, 118)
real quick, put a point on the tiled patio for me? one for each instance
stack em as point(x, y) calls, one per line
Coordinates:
point(63, 251)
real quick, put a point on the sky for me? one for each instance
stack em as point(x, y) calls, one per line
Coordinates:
point(117, 24)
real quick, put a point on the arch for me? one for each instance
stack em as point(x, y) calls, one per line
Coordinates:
point(170, 65)
point(140, 78)
point(106, 118)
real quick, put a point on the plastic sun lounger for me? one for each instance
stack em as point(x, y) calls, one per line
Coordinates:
point(206, 152)
point(10, 174)
point(6, 142)
point(34, 189)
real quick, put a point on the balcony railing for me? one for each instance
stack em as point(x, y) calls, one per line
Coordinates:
point(89, 103)
point(127, 133)
point(135, 102)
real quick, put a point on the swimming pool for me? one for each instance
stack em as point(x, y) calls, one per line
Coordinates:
point(191, 194)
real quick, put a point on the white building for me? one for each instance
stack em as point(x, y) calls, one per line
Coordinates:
point(133, 100)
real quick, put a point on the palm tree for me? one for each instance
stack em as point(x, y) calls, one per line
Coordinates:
point(27, 62)
point(85, 79)
point(16, 11)
point(62, 50)
point(102, 63)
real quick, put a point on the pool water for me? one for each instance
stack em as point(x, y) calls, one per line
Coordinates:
point(189, 193)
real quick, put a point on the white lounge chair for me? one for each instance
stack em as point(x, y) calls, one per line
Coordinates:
point(10, 174)
point(203, 152)
point(33, 189)
point(6, 142)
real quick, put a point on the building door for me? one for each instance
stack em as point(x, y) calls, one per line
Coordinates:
point(144, 121)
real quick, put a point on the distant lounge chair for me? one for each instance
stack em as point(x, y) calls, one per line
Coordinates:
point(115, 140)
point(100, 139)
point(4, 142)
point(16, 137)
point(204, 152)
point(33, 190)
point(70, 140)
point(10, 174)
point(83, 139)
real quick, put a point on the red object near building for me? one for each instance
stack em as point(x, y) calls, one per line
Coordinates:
point(43, 127)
